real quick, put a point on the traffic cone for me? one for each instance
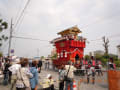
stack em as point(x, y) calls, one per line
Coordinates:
point(68, 87)
point(74, 85)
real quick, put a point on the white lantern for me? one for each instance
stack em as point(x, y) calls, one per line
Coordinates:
point(58, 55)
point(65, 54)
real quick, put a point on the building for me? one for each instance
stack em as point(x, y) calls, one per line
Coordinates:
point(118, 49)
point(69, 46)
point(98, 52)
point(53, 52)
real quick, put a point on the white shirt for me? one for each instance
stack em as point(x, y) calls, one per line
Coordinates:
point(71, 70)
point(14, 68)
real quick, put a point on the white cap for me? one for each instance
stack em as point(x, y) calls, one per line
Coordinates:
point(49, 75)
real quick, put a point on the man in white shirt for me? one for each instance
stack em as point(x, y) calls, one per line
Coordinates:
point(70, 74)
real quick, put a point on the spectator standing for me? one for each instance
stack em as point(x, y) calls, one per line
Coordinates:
point(14, 69)
point(39, 65)
point(46, 63)
point(111, 64)
point(7, 73)
point(83, 67)
point(23, 76)
point(34, 79)
point(61, 77)
point(100, 68)
point(70, 75)
point(86, 65)
point(2, 65)
point(91, 70)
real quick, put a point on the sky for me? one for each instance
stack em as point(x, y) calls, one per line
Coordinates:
point(43, 19)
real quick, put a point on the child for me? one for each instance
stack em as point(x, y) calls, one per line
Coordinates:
point(48, 83)
point(61, 78)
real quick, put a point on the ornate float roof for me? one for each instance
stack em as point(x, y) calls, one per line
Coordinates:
point(72, 30)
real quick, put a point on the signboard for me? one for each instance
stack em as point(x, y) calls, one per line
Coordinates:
point(62, 44)
point(114, 80)
point(12, 51)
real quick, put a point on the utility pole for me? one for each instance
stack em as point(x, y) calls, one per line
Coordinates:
point(10, 38)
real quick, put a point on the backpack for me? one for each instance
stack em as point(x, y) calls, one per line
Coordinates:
point(19, 81)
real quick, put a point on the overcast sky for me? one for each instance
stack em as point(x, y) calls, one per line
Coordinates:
point(43, 19)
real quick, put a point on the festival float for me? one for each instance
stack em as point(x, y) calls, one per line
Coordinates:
point(69, 46)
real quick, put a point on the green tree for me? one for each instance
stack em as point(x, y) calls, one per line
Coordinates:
point(98, 56)
point(42, 57)
point(1, 54)
point(3, 26)
point(117, 63)
point(87, 57)
point(54, 56)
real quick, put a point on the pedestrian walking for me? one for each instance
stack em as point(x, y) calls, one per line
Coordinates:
point(34, 79)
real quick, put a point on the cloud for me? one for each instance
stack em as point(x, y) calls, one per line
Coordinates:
point(44, 18)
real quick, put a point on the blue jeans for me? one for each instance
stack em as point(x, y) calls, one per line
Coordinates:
point(69, 84)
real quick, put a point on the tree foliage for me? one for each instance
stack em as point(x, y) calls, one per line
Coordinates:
point(87, 57)
point(105, 58)
point(42, 57)
point(1, 54)
point(3, 26)
point(54, 56)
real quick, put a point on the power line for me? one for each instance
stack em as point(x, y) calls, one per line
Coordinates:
point(17, 13)
point(18, 29)
point(112, 36)
point(29, 38)
point(18, 20)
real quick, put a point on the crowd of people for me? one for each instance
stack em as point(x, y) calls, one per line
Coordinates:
point(24, 75)
point(19, 74)
point(83, 67)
